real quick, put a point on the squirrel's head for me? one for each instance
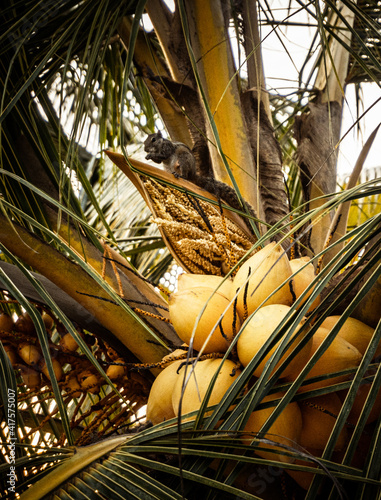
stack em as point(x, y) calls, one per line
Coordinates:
point(152, 138)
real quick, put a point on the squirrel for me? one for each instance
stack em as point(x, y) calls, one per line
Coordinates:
point(179, 160)
point(176, 157)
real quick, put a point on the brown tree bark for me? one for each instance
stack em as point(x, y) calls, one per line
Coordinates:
point(317, 132)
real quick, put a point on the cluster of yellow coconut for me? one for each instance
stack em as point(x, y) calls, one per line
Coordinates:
point(23, 353)
point(20, 343)
point(208, 320)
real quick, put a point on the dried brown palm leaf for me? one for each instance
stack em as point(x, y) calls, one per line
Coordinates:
point(202, 238)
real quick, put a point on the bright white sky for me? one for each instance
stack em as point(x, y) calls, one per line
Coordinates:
point(281, 74)
point(353, 142)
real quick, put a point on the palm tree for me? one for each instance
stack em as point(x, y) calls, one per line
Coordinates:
point(81, 258)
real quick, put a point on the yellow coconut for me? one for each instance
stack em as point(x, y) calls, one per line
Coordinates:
point(353, 331)
point(319, 417)
point(174, 354)
point(267, 269)
point(48, 320)
point(197, 383)
point(184, 308)
point(285, 430)
point(116, 371)
point(68, 342)
point(72, 386)
point(6, 323)
point(29, 353)
point(303, 278)
point(24, 324)
point(31, 378)
point(188, 281)
point(340, 355)
point(12, 355)
point(159, 404)
point(257, 331)
point(57, 368)
point(90, 381)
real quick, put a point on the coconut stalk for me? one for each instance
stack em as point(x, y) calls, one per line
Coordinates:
point(126, 325)
point(256, 103)
point(154, 72)
point(169, 31)
point(113, 266)
point(208, 42)
point(252, 40)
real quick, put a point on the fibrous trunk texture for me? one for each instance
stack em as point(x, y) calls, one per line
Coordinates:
point(317, 132)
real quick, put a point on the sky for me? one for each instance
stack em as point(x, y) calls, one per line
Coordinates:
point(281, 71)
